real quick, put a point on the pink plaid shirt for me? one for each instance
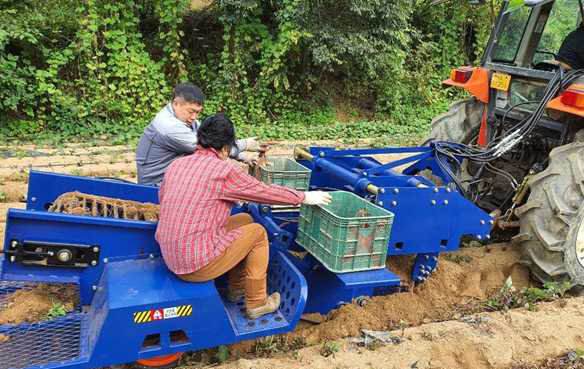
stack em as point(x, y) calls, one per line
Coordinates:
point(196, 197)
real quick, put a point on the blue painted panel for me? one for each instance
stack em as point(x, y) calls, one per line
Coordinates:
point(143, 285)
point(327, 291)
point(45, 187)
point(107, 334)
point(117, 239)
point(371, 278)
point(155, 283)
point(437, 212)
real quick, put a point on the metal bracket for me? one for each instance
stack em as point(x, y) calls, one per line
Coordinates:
point(54, 254)
point(424, 265)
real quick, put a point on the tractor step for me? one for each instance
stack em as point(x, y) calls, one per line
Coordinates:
point(283, 277)
point(243, 325)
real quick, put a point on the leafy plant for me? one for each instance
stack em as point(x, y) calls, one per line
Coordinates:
point(76, 172)
point(267, 346)
point(550, 291)
point(329, 348)
point(508, 297)
point(222, 354)
point(57, 309)
point(280, 69)
point(296, 343)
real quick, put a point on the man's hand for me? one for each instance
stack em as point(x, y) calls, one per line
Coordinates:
point(317, 198)
point(247, 157)
point(251, 144)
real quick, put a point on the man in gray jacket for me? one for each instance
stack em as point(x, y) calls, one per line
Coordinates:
point(173, 133)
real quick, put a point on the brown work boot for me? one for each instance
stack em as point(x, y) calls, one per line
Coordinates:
point(272, 304)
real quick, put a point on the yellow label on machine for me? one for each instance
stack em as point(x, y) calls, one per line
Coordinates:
point(501, 81)
point(161, 314)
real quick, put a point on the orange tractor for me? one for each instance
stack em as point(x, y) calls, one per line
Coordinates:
point(517, 145)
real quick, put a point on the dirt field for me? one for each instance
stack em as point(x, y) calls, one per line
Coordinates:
point(440, 324)
point(452, 292)
point(482, 341)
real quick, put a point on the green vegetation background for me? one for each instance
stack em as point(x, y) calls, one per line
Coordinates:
point(281, 69)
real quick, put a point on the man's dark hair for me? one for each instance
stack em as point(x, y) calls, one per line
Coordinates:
point(216, 131)
point(189, 93)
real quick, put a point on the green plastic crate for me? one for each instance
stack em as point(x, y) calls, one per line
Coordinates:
point(350, 234)
point(285, 172)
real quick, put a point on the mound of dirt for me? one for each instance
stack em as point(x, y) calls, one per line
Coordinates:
point(460, 280)
point(496, 340)
point(570, 360)
point(36, 304)
point(13, 191)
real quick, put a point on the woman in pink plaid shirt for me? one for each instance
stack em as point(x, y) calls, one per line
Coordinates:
point(199, 239)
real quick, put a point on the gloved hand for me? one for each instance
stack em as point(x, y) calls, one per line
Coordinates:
point(251, 144)
point(317, 198)
point(247, 157)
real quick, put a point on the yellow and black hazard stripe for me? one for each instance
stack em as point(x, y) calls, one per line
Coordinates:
point(184, 310)
point(142, 316)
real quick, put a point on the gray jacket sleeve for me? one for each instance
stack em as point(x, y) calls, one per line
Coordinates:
point(181, 141)
point(236, 150)
point(184, 141)
point(179, 138)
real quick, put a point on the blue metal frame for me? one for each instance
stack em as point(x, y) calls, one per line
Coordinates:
point(131, 277)
point(117, 240)
point(416, 202)
point(131, 286)
point(45, 187)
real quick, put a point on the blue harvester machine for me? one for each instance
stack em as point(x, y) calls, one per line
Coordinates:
point(133, 308)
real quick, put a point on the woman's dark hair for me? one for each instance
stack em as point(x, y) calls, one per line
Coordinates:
point(216, 131)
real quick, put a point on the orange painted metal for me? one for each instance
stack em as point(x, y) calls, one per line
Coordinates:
point(477, 85)
point(160, 361)
point(557, 104)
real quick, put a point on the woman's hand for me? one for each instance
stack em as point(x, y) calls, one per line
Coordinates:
point(317, 198)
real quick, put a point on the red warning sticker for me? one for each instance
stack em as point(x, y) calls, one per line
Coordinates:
point(156, 314)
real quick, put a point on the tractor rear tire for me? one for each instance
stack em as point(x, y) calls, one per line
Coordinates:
point(459, 124)
point(552, 220)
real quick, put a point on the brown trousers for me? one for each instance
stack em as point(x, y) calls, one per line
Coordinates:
point(246, 259)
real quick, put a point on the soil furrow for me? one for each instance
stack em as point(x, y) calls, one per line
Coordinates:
point(496, 341)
